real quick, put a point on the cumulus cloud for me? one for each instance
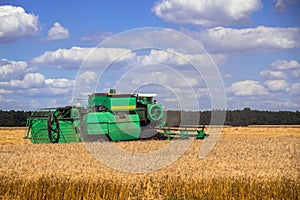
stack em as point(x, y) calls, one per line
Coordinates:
point(292, 66)
point(30, 80)
point(35, 86)
point(87, 81)
point(34, 83)
point(285, 65)
point(295, 88)
point(157, 78)
point(277, 85)
point(95, 57)
point(274, 104)
point(173, 58)
point(4, 91)
point(296, 73)
point(258, 39)
point(11, 69)
point(58, 32)
point(160, 38)
point(270, 74)
point(87, 78)
point(59, 83)
point(277, 92)
point(247, 88)
point(85, 84)
point(206, 13)
point(19, 84)
point(15, 23)
point(75, 56)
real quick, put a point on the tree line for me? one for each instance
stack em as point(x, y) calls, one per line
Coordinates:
point(13, 118)
point(243, 117)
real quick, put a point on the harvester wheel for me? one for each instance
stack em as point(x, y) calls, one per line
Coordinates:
point(155, 112)
point(53, 129)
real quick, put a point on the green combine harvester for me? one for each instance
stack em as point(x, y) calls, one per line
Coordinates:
point(108, 117)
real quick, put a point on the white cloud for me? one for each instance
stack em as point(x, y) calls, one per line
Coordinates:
point(87, 81)
point(35, 86)
point(173, 58)
point(269, 74)
point(59, 83)
point(159, 38)
point(247, 88)
point(11, 69)
point(30, 80)
point(49, 92)
point(72, 56)
point(156, 79)
point(275, 104)
point(4, 91)
point(15, 23)
point(206, 13)
point(85, 84)
point(58, 32)
point(87, 78)
point(292, 66)
point(296, 73)
point(259, 39)
point(295, 88)
point(277, 85)
point(75, 56)
point(21, 91)
point(277, 92)
point(9, 103)
point(285, 65)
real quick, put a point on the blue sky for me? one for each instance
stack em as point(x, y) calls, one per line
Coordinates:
point(254, 44)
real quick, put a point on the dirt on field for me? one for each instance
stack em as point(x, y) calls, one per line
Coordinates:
point(246, 163)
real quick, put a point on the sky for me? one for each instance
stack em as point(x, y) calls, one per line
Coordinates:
point(194, 54)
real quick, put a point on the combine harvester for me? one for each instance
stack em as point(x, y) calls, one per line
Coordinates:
point(108, 117)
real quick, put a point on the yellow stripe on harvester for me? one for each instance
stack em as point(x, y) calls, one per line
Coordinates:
point(123, 107)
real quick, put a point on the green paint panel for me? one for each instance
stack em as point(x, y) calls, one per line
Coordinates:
point(113, 102)
point(119, 126)
point(96, 123)
point(68, 134)
point(39, 131)
point(95, 117)
point(98, 128)
point(124, 131)
point(122, 103)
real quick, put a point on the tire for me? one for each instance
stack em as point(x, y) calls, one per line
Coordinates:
point(53, 129)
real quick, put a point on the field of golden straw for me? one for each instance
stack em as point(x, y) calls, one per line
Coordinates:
point(246, 163)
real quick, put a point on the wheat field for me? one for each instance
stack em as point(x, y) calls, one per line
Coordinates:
point(246, 163)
